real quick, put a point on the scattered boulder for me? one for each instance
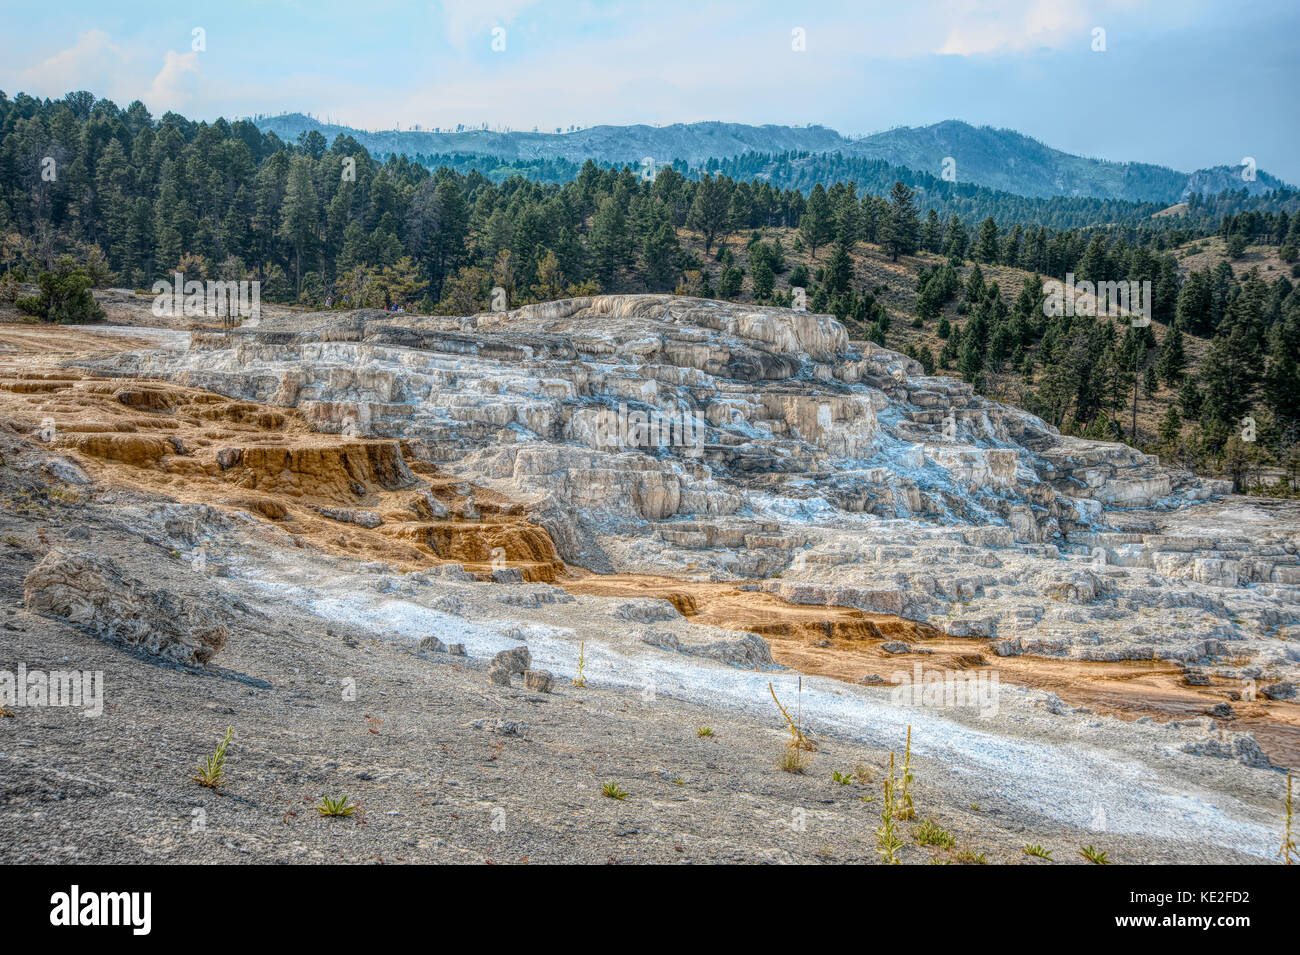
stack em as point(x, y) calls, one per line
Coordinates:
point(514, 660)
point(432, 644)
point(1221, 710)
point(750, 652)
point(1281, 690)
point(1054, 705)
point(647, 611)
point(538, 680)
point(94, 592)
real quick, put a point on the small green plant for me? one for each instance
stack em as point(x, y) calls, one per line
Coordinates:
point(905, 809)
point(1037, 850)
point(1095, 856)
point(888, 841)
point(930, 833)
point(971, 857)
point(612, 791)
point(863, 773)
point(1288, 849)
point(842, 778)
point(703, 732)
point(212, 771)
point(336, 808)
point(580, 680)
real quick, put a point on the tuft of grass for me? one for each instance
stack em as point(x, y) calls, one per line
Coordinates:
point(336, 808)
point(842, 778)
point(794, 760)
point(612, 791)
point(930, 833)
point(1288, 850)
point(888, 841)
point(212, 771)
point(863, 772)
point(1095, 856)
point(1037, 850)
point(6, 713)
point(703, 732)
point(580, 680)
point(971, 857)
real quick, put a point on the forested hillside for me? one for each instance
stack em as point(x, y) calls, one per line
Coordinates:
point(92, 194)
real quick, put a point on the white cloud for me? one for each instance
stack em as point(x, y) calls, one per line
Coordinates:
point(171, 89)
point(973, 28)
point(81, 66)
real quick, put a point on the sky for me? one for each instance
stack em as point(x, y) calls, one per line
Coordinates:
point(1182, 83)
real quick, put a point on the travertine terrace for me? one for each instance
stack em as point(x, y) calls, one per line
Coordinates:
point(826, 472)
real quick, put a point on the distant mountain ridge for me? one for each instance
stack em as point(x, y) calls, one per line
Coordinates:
point(1000, 159)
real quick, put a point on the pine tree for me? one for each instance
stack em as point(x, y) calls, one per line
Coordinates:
point(955, 241)
point(764, 280)
point(932, 232)
point(1171, 427)
point(986, 246)
point(902, 227)
point(839, 270)
point(975, 285)
point(1228, 376)
point(1170, 364)
point(711, 210)
point(299, 215)
point(817, 222)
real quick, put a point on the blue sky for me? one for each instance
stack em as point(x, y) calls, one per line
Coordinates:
point(1188, 83)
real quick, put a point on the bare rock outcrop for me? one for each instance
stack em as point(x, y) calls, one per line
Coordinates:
point(93, 592)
